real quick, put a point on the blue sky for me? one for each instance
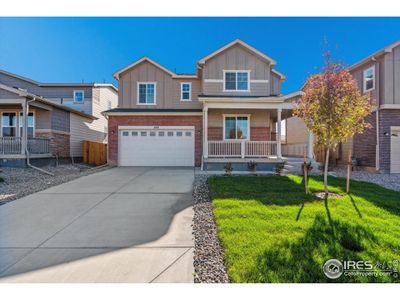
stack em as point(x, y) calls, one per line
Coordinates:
point(91, 49)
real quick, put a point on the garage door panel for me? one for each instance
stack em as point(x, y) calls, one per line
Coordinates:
point(172, 147)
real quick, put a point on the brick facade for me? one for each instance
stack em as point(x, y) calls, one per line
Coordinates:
point(115, 121)
point(256, 133)
point(364, 145)
point(260, 134)
point(364, 148)
point(387, 118)
point(59, 142)
point(214, 133)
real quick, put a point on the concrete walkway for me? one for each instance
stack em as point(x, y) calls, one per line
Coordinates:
point(120, 225)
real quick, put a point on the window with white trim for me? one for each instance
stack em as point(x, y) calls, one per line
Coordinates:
point(186, 91)
point(79, 96)
point(369, 79)
point(236, 81)
point(9, 124)
point(146, 94)
point(236, 127)
point(31, 124)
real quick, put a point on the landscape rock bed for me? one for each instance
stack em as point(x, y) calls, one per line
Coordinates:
point(209, 259)
point(19, 182)
point(390, 181)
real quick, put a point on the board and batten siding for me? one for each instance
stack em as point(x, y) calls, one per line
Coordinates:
point(392, 77)
point(239, 58)
point(168, 89)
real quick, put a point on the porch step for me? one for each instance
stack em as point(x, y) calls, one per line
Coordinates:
point(295, 166)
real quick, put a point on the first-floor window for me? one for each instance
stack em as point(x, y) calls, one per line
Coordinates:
point(146, 93)
point(236, 127)
point(31, 124)
point(9, 124)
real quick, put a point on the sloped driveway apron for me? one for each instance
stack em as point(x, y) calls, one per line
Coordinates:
point(130, 224)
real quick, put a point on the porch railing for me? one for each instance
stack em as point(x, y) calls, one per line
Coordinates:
point(10, 145)
point(260, 148)
point(38, 145)
point(225, 149)
point(242, 148)
point(13, 145)
point(296, 150)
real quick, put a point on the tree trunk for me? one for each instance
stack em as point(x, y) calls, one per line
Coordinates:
point(326, 172)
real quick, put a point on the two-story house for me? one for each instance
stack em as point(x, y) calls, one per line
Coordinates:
point(44, 120)
point(229, 111)
point(378, 148)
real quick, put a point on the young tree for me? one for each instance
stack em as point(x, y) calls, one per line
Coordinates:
point(333, 108)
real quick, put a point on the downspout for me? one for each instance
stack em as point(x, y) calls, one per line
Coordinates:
point(26, 142)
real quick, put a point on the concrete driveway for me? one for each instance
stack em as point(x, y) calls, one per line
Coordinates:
point(130, 224)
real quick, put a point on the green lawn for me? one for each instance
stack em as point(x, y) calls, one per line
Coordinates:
point(272, 232)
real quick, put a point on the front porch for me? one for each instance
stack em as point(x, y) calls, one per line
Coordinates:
point(240, 131)
point(19, 135)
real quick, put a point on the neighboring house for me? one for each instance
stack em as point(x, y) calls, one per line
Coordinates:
point(229, 111)
point(59, 117)
point(378, 148)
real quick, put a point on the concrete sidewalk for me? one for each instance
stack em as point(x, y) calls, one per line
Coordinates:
point(120, 225)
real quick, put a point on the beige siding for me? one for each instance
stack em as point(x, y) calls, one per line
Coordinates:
point(358, 75)
point(296, 131)
point(62, 95)
point(239, 58)
point(167, 88)
point(83, 129)
point(275, 84)
point(392, 77)
point(258, 117)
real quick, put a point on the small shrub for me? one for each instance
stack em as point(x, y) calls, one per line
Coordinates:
point(279, 169)
point(252, 166)
point(228, 168)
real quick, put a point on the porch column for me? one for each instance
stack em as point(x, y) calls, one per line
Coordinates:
point(205, 132)
point(310, 146)
point(24, 140)
point(279, 134)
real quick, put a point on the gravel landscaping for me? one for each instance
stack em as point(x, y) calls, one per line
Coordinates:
point(209, 259)
point(390, 181)
point(19, 182)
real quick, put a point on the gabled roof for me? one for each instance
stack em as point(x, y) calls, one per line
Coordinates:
point(378, 53)
point(28, 95)
point(145, 58)
point(41, 84)
point(283, 77)
point(243, 44)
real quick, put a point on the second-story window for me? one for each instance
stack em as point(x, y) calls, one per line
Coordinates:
point(369, 79)
point(236, 81)
point(146, 93)
point(79, 96)
point(186, 89)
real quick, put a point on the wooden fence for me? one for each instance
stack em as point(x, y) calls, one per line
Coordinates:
point(94, 153)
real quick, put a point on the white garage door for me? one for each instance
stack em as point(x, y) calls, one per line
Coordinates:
point(161, 146)
point(395, 150)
